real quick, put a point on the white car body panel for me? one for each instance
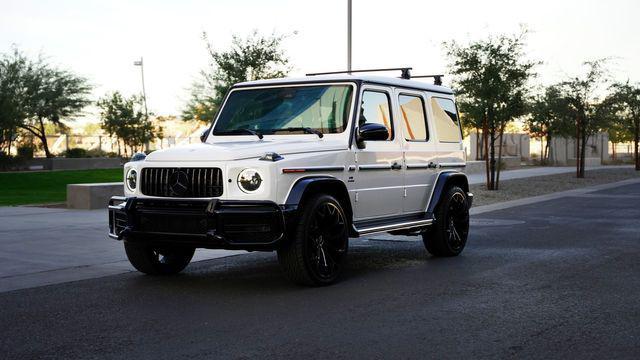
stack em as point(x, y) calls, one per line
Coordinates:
point(375, 190)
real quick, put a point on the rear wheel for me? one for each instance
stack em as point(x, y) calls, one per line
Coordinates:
point(447, 236)
point(158, 260)
point(316, 253)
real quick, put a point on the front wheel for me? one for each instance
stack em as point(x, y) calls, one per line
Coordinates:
point(158, 260)
point(316, 254)
point(447, 236)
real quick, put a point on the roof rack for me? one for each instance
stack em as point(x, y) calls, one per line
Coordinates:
point(405, 73)
point(437, 79)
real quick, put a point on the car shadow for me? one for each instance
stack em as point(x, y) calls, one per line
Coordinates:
point(260, 273)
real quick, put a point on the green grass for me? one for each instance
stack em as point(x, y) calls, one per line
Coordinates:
point(48, 186)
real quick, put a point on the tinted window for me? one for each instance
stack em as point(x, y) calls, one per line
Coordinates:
point(286, 110)
point(375, 109)
point(446, 119)
point(414, 119)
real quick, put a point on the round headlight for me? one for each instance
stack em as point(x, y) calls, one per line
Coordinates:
point(249, 180)
point(131, 179)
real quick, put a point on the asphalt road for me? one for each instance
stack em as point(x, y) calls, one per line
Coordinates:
point(557, 279)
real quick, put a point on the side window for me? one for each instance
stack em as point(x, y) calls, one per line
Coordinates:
point(446, 119)
point(376, 109)
point(414, 118)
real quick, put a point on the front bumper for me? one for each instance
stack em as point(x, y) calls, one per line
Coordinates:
point(213, 224)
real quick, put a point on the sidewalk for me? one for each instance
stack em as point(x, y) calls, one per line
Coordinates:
point(538, 171)
point(42, 246)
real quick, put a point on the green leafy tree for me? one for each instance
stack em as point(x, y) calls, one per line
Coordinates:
point(125, 119)
point(491, 78)
point(548, 118)
point(583, 104)
point(13, 68)
point(52, 94)
point(625, 101)
point(252, 58)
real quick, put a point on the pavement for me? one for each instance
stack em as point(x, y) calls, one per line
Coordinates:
point(480, 178)
point(556, 278)
point(44, 246)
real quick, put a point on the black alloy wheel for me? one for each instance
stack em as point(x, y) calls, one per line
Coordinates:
point(316, 254)
point(447, 236)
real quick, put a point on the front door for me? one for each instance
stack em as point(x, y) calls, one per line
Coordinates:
point(377, 189)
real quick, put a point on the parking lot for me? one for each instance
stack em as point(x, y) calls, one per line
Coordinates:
point(554, 279)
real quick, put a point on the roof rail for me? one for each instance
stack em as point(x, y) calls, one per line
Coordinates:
point(437, 79)
point(406, 74)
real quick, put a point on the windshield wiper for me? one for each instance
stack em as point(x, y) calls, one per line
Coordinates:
point(240, 131)
point(307, 130)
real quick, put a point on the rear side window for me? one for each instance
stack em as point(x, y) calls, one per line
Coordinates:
point(375, 109)
point(445, 117)
point(414, 118)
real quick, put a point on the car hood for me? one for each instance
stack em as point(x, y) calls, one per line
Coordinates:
point(236, 150)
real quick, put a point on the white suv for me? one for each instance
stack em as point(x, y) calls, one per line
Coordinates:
point(298, 166)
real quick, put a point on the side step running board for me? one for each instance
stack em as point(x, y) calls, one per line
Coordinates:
point(366, 230)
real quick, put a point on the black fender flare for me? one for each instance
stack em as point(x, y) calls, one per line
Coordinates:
point(319, 184)
point(444, 180)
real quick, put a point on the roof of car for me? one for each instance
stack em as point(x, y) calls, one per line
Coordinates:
point(382, 80)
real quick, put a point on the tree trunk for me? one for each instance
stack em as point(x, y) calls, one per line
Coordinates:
point(497, 184)
point(43, 138)
point(577, 146)
point(583, 150)
point(636, 140)
point(613, 151)
point(485, 143)
point(478, 143)
point(546, 149)
point(492, 154)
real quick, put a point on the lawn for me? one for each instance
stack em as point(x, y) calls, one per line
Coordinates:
point(48, 186)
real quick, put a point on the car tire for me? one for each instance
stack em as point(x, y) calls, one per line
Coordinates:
point(315, 255)
point(158, 261)
point(447, 236)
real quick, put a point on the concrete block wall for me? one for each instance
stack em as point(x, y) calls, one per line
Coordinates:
point(92, 196)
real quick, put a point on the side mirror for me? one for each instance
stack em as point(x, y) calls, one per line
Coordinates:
point(204, 135)
point(371, 131)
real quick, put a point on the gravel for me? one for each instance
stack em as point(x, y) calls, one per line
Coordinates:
point(540, 185)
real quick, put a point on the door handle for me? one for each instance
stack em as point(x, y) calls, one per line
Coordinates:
point(396, 166)
point(432, 165)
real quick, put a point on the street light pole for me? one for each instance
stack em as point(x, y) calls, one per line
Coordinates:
point(349, 36)
point(144, 93)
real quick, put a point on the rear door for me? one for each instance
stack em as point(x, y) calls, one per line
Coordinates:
point(378, 184)
point(419, 150)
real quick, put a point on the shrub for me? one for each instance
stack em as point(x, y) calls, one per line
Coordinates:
point(25, 152)
point(75, 153)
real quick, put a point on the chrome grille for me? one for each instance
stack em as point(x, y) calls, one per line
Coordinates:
point(198, 182)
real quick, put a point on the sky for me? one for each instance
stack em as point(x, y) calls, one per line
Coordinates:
point(101, 39)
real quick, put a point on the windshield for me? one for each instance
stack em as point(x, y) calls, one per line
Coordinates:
point(286, 110)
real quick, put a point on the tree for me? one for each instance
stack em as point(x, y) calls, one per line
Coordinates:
point(491, 80)
point(125, 119)
point(625, 100)
point(589, 112)
point(12, 96)
point(51, 94)
point(252, 58)
point(548, 118)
